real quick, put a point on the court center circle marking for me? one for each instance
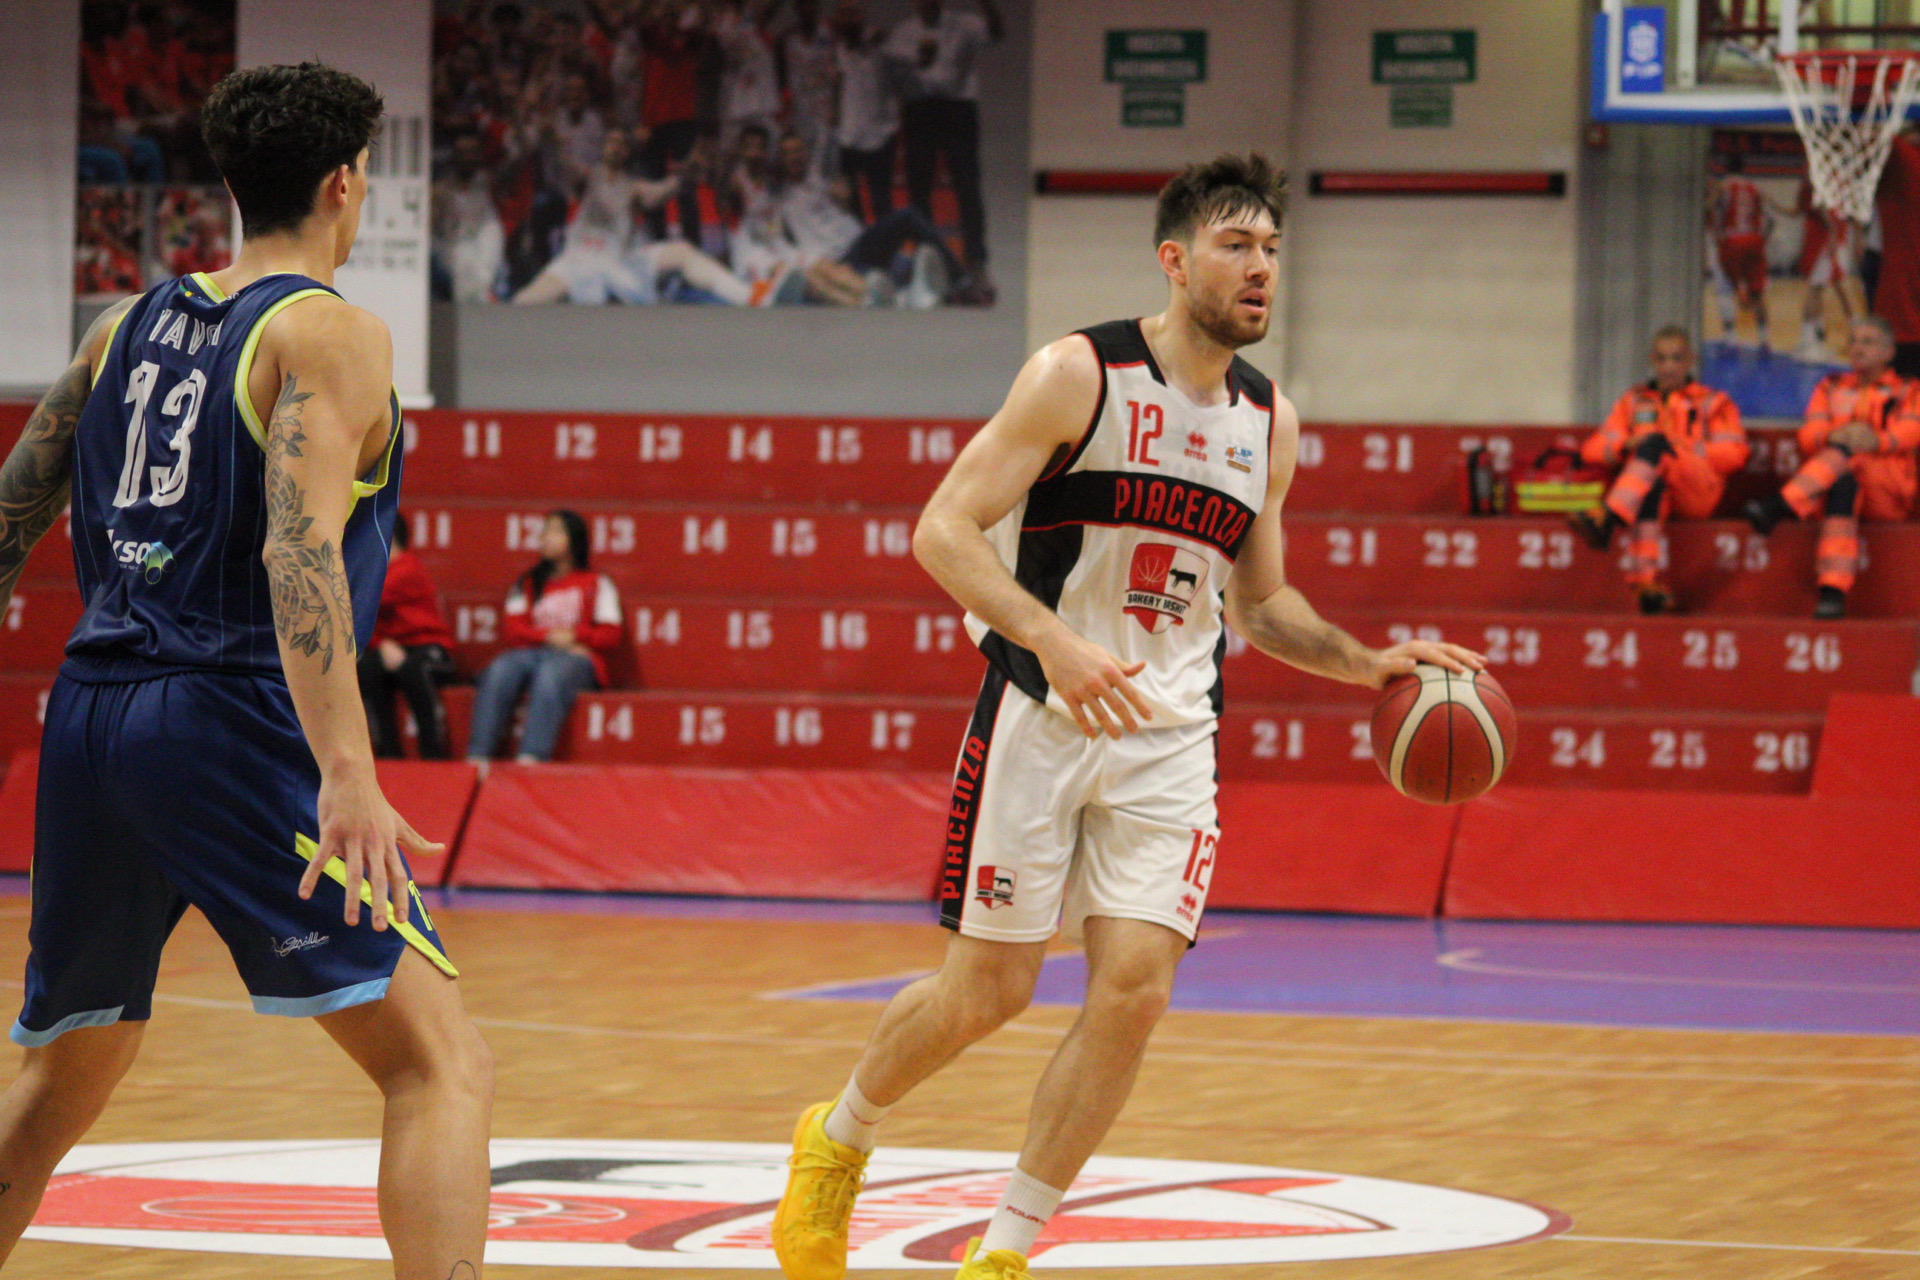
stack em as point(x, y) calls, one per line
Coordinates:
point(645, 1204)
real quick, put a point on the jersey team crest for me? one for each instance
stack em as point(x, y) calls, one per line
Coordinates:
point(1162, 583)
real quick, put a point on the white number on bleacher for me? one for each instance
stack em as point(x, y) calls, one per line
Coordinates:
point(656, 628)
point(1685, 750)
point(1312, 451)
point(577, 441)
point(799, 728)
point(1457, 550)
point(794, 537)
point(409, 435)
point(697, 535)
point(1400, 633)
point(1388, 453)
point(1275, 741)
point(888, 537)
point(1540, 550)
point(1570, 752)
point(432, 529)
point(1734, 552)
point(480, 439)
point(40, 706)
point(476, 624)
point(1718, 649)
point(1605, 651)
point(1813, 653)
point(706, 726)
point(1517, 645)
point(1362, 732)
point(935, 631)
point(1781, 752)
point(892, 730)
point(1779, 456)
point(930, 444)
point(1345, 549)
point(749, 629)
point(1499, 446)
point(839, 444)
point(661, 443)
point(524, 530)
point(615, 535)
point(15, 608)
point(843, 630)
point(744, 443)
point(604, 722)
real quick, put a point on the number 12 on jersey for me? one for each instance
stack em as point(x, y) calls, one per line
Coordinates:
point(1139, 442)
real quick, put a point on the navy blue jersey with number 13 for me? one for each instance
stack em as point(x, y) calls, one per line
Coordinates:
point(169, 509)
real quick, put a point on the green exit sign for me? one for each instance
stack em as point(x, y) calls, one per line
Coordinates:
point(1156, 56)
point(1423, 57)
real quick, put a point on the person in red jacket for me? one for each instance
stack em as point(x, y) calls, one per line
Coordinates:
point(407, 654)
point(1675, 443)
point(1858, 441)
point(563, 622)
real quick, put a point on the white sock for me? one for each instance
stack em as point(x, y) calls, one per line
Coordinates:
point(1023, 1210)
point(855, 1121)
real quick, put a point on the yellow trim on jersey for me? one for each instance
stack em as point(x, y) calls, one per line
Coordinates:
point(205, 281)
point(305, 847)
point(107, 348)
point(244, 370)
point(384, 472)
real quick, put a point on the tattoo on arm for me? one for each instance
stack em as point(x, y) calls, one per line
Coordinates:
point(311, 609)
point(35, 477)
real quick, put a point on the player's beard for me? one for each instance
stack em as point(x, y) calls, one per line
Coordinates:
point(1219, 322)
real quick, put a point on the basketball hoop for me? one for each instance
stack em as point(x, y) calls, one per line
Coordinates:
point(1848, 105)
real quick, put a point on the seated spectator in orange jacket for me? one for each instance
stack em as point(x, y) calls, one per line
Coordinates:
point(564, 621)
point(1675, 443)
point(407, 654)
point(1858, 441)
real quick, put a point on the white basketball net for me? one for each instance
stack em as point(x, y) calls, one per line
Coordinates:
point(1845, 153)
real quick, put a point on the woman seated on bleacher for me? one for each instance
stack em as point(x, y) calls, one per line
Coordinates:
point(563, 623)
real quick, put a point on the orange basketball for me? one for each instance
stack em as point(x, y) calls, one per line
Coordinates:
point(1442, 737)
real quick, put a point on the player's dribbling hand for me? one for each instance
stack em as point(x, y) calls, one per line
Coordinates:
point(359, 827)
point(1400, 659)
point(1856, 437)
point(1097, 689)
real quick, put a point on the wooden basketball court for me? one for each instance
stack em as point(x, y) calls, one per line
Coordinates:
point(1710, 1155)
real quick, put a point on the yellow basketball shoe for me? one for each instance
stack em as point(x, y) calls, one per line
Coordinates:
point(810, 1226)
point(1001, 1264)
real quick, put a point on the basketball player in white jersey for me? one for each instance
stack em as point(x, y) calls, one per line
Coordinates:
point(1123, 503)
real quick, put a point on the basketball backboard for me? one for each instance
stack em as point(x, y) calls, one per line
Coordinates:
point(1711, 62)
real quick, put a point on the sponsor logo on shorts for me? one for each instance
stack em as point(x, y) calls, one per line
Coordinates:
point(1240, 458)
point(287, 946)
point(1188, 908)
point(1196, 446)
point(624, 1204)
point(993, 887)
point(1162, 583)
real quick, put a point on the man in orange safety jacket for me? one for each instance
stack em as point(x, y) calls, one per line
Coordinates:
point(1858, 441)
point(1675, 442)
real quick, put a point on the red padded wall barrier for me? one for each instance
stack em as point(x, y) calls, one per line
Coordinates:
point(1870, 748)
point(1364, 849)
point(759, 833)
point(435, 796)
point(16, 810)
point(1695, 859)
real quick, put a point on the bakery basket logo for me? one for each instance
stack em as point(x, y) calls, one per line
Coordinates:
point(1162, 583)
point(633, 1204)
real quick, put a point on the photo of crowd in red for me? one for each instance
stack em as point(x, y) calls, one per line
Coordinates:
point(733, 152)
point(150, 204)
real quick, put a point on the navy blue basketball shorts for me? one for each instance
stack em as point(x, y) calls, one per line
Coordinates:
point(194, 788)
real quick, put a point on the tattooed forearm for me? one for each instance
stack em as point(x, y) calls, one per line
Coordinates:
point(34, 479)
point(312, 612)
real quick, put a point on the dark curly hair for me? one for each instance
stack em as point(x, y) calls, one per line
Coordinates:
point(1221, 188)
point(276, 131)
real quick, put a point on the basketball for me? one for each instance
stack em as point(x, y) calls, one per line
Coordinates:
point(1441, 737)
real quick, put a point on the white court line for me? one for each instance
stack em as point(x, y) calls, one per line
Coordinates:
point(1742, 1244)
point(1466, 959)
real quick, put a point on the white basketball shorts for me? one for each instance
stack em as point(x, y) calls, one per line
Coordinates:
point(1048, 827)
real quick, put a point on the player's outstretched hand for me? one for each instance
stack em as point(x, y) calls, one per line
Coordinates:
point(1856, 437)
point(1399, 660)
point(1097, 689)
point(360, 828)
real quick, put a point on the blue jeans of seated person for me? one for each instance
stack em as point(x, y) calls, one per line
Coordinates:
point(551, 679)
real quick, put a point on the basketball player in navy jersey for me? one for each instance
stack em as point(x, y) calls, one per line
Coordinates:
point(230, 445)
point(1123, 503)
